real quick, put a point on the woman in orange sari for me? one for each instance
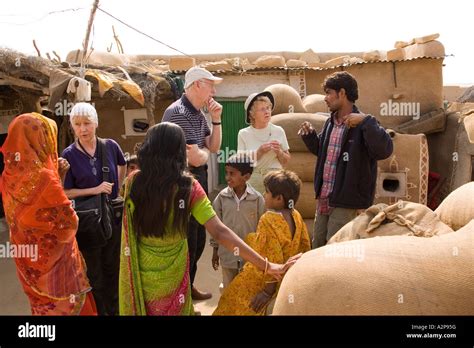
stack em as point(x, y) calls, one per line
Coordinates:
point(41, 219)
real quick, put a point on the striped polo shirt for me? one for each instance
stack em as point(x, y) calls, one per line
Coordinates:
point(192, 121)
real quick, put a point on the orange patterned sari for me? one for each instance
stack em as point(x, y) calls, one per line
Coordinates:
point(40, 217)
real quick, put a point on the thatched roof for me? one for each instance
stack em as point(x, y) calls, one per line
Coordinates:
point(25, 72)
point(33, 74)
point(152, 82)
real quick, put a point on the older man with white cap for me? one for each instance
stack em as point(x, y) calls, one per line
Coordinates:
point(186, 112)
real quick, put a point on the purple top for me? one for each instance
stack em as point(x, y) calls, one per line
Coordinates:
point(81, 174)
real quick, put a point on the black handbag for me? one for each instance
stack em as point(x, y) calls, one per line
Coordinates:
point(95, 221)
point(98, 215)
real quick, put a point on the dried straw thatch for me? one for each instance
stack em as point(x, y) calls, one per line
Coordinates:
point(25, 72)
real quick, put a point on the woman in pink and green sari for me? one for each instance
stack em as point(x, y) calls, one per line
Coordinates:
point(159, 198)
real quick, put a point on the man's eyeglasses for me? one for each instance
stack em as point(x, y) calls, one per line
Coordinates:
point(207, 83)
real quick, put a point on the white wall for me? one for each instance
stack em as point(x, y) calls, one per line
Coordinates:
point(243, 86)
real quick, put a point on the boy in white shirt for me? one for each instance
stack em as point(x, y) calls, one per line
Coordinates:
point(239, 206)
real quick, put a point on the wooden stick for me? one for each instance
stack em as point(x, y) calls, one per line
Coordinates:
point(57, 56)
point(88, 31)
point(119, 44)
point(37, 49)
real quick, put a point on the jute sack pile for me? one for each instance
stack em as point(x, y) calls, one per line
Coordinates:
point(286, 99)
point(303, 164)
point(306, 204)
point(315, 103)
point(291, 124)
point(402, 218)
point(395, 275)
point(457, 209)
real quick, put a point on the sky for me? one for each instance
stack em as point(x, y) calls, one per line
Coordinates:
point(213, 26)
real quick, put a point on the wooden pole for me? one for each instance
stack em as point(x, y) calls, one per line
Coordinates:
point(37, 49)
point(119, 44)
point(88, 31)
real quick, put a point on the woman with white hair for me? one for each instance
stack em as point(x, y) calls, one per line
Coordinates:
point(265, 142)
point(85, 178)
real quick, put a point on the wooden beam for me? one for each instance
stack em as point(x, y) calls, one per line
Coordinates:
point(6, 80)
point(88, 31)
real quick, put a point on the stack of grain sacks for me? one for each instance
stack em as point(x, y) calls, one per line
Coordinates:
point(289, 113)
point(390, 275)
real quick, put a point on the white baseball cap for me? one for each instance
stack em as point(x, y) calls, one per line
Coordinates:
point(196, 73)
point(86, 110)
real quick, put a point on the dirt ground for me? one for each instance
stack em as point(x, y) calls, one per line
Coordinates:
point(14, 302)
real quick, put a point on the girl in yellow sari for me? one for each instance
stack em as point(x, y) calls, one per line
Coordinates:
point(281, 234)
point(40, 217)
point(159, 198)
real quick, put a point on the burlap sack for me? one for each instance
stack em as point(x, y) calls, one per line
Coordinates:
point(372, 56)
point(395, 275)
point(270, 61)
point(181, 63)
point(291, 124)
point(310, 57)
point(401, 44)
point(295, 63)
point(425, 39)
point(396, 54)
point(306, 204)
point(337, 61)
point(469, 125)
point(433, 49)
point(457, 209)
point(286, 99)
point(303, 164)
point(315, 103)
point(216, 66)
point(403, 218)
point(100, 58)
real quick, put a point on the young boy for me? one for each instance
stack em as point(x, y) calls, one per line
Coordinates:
point(132, 164)
point(281, 234)
point(239, 206)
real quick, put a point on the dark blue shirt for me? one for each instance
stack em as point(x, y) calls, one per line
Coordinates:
point(192, 121)
point(81, 174)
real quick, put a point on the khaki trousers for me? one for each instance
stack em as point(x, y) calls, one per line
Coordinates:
point(326, 226)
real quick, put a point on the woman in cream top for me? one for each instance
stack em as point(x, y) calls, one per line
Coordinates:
point(265, 142)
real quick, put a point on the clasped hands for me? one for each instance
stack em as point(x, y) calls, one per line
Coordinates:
point(273, 145)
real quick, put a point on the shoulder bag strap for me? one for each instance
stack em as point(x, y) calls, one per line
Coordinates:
point(103, 154)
